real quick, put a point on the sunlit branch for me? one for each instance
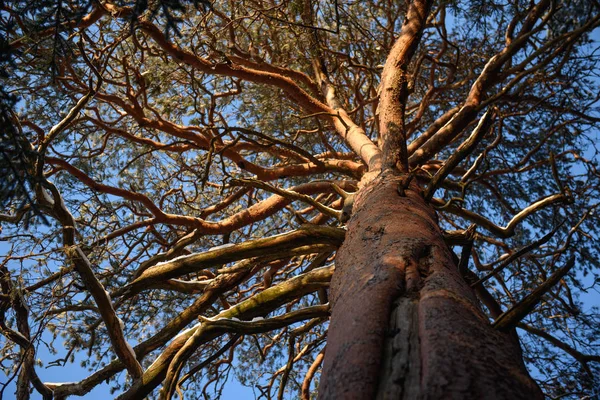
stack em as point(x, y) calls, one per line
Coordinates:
point(290, 194)
point(287, 72)
point(305, 236)
point(257, 305)
point(394, 78)
point(509, 229)
point(305, 393)
point(352, 133)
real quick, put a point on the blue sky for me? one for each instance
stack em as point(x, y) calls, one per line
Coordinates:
point(234, 390)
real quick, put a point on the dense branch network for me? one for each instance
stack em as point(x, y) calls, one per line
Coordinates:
point(192, 181)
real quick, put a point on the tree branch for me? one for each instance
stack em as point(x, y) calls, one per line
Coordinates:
point(460, 154)
point(257, 305)
point(311, 236)
point(509, 230)
point(394, 88)
point(290, 194)
point(509, 319)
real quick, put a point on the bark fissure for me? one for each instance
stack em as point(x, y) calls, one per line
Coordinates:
point(401, 364)
point(405, 324)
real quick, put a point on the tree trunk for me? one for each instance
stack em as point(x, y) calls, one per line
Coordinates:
point(404, 324)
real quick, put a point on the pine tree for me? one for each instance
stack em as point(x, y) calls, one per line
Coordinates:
point(349, 200)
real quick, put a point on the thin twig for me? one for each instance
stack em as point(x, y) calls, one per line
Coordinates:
point(509, 319)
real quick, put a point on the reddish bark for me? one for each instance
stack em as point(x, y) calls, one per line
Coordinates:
point(404, 323)
point(394, 86)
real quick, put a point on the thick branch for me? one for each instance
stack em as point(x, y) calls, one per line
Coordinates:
point(394, 87)
point(305, 236)
point(290, 194)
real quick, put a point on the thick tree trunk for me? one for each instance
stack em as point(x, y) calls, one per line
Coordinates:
point(404, 324)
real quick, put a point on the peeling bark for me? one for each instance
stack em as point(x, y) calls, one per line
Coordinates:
point(401, 361)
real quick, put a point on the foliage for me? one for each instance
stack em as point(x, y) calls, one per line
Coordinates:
point(166, 129)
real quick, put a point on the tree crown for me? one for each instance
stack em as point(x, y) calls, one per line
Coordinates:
point(190, 161)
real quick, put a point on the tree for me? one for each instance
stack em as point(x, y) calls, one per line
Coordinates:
point(196, 165)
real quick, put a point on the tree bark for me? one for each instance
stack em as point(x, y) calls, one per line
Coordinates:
point(404, 324)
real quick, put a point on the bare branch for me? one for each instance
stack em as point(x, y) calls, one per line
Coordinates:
point(509, 319)
point(315, 238)
point(509, 230)
point(290, 194)
point(460, 154)
point(518, 254)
